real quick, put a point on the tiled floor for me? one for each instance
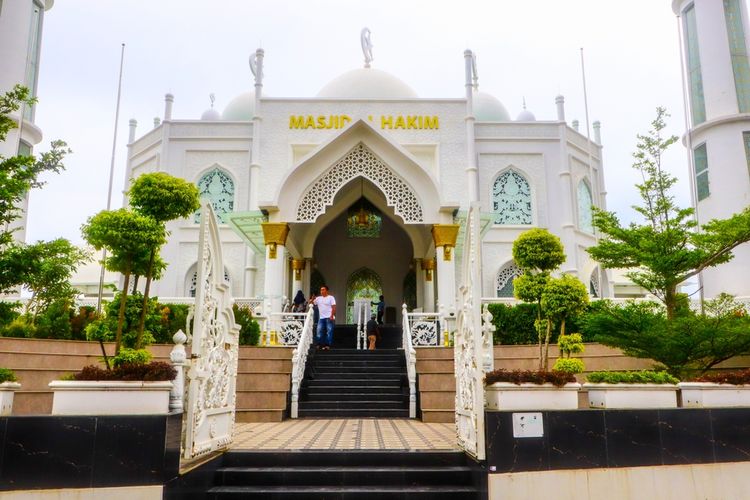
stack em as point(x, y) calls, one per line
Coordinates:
point(345, 434)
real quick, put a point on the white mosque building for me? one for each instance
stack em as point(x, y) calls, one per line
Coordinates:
point(363, 187)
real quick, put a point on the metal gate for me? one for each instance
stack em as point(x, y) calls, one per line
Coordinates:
point(214, 344)
point(468, 352)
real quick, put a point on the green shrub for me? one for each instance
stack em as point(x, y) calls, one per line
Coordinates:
point(133, 306)
point(517, 377)
point(128, 356)
point(9, 312)
point(54, 322)
point(19, 328)
point(249, 328)
point(637, 377)
point(99, 331)
point(80, 320)
point(514, 324)
point(7, 375)
point(570, 344)
point(569, 365)
point(172, 317)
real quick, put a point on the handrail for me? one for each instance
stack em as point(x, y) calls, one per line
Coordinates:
point(410, 356)
point(426, 328)
point(287, 327)
point(299, 359)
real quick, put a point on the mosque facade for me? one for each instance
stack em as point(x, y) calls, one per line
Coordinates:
point(365, 186)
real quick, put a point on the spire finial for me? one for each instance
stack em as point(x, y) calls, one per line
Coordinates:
point(212, 98)
point(474, 72)
point(524, 102)
point(364, 38)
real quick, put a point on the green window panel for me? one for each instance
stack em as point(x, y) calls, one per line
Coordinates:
point(218, 188)
point(24, 149)
point(738, 52)
point(700, 163)
point(695, 84)
point(746, 141)
point(504, 282)
point(511, 199)
point(585, 213)
point(32, 66)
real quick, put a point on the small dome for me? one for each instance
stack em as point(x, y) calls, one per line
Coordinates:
point(241, 108)
point(211, 115)
point(526, 116)
point(487, 108)
point(369, 83)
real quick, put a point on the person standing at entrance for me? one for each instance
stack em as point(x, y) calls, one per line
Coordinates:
point(327, 310)
point(372, 332)
point(381, 309)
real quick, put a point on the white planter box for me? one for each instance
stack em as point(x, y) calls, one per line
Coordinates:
point(508, 396)
point(80, 397)
point(632, 395)
point(710, 395)
point(7, 390)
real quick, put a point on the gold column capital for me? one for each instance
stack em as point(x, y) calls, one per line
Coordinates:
point(428, 265)
point(298, 265)
point(274, 233)
point(445, 235)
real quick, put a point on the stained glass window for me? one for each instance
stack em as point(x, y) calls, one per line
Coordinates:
point(594, 283)
point(585, 215)
point(218, 188)
point(505, 280)
point(738, 52)
point(511, 199)
point(695, 83)
point(363, 283)
point(700, 163)
point(363, 220)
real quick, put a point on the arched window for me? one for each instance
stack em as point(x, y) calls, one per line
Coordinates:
point(585, 214)
point(363, 283)
point(594, 288)
point(218, 188)
point(505, 279)
point(194, 282)
point(511, 199)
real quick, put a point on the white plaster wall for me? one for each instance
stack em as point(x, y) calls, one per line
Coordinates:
point(727, 481)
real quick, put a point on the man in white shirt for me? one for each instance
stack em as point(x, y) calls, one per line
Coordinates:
point(327, 309)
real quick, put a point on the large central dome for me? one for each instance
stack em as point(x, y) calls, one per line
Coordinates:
point(367, 83)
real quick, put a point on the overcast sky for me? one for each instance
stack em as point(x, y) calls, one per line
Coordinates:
point(527, 48)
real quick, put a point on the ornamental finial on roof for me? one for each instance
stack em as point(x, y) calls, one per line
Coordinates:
point(366, 46)
point(474, 72)
point(212, 98)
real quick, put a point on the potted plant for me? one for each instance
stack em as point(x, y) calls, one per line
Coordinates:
point(8, 386)
point(135, 385)
point(631, 389)
point(531, 390)
point(717, 390)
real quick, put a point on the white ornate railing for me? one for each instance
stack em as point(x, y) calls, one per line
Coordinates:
point(361, 308)
point(282, 328)
point(426, 329)
point(410, 355)
point(299, 359)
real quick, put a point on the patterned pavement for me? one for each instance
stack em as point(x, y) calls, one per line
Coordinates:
point(345, 434)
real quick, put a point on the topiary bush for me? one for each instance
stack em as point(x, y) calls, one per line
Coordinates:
point(556, 378)
point(128, 356)
point(249, 328)
point(155, 371)
point(569, 365)
point(634, 377)
point(7, 375)
point(733, 378)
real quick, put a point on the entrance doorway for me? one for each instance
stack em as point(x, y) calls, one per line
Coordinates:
point(363, 283)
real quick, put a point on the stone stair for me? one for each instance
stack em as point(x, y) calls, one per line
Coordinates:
point(340, 474)
point(354, 383)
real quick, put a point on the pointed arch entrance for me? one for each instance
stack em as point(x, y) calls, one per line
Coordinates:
point(364, 283)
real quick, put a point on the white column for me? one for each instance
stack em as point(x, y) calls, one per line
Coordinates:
point(560, 103)
point(274, 234)
point(420, 282)
point(472, 172)
point(428, 270)
point(251, 269)
point(446, 271)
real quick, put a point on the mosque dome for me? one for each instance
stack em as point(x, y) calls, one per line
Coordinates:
point(487, 108)
point(525, 116)
point(241, 108)
point(367, 83)
point(211, 115)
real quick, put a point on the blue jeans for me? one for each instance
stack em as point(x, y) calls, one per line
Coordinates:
point(325, 332)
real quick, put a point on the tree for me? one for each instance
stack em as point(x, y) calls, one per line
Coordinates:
point(564, 297)
point(45, 269)
point(667, 248)
point(126, 235)
point(163, 198)
point(537, 252)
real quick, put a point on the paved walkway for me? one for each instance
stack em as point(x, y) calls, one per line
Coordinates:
point(345, 434)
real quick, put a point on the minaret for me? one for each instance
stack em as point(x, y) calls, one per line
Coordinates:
point(714, 48)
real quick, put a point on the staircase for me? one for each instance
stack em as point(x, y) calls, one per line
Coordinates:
point(355, 383)
point(338, 474)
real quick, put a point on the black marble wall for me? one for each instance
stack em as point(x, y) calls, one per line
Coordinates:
point(88, 451)
point(583, 439)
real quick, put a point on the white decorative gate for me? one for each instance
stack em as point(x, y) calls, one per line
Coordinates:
point(213, 363)
point(468, 352)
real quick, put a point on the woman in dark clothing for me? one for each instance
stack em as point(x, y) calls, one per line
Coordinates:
point(299, 302)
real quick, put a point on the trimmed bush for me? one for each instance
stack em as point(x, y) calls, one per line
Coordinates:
point(156, 371)
point(128, 356)
point(569, 365)
point(556, 378)
point(249, 328)
point(733, 378)
point(7, 375)
point(637, 377)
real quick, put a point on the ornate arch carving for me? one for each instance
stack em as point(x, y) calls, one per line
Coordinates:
point(360, 161)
